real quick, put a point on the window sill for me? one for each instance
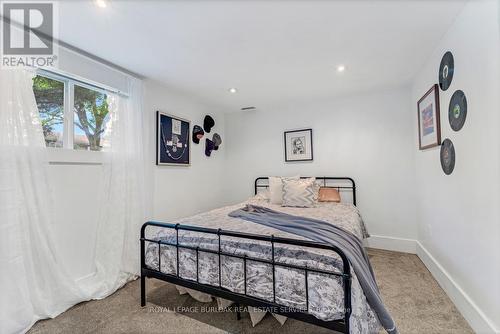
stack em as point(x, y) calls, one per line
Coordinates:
point(61, 156)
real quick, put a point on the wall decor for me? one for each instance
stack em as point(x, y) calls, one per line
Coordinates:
point(429, 125)
point(446, 70)
point(447, 155)
point(209, 147)
point(298, 145)
point(217, 141)
point(457, 111)
point(212, 145)
point(208, 123)
point(198, 133)
point(172, 140)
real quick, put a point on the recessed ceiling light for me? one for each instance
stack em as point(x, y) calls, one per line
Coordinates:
point(232, 90)
point(340, 68)
point(101, 3)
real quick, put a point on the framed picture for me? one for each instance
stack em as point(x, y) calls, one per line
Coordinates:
point(429, 125)
point(172, 140)
point(298, 145)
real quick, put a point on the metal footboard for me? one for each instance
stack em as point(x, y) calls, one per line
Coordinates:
point(341, 325)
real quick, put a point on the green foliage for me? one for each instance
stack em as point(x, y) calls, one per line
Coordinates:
point(49, 95)
point(90, 107)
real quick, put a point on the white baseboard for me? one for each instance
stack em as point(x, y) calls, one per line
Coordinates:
point(470, 311)
point(392, 244)
point(476, 318)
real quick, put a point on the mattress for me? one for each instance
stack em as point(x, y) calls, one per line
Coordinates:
point(325, 292)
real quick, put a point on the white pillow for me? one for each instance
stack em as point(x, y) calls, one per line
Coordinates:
point(316, 186)
point(276, 188)
point(299, 193)
point(309, 179)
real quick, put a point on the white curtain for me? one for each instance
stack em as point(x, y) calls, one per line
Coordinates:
point(124, 206)
point(34, 283)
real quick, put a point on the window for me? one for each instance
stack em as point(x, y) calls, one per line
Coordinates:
point(49, 95)
point(91, 116)
point(74, 115)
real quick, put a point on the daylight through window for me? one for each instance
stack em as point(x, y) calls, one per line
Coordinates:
point(73, 115)
point(49, 95)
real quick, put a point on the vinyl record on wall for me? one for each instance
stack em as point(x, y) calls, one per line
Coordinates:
point(447, 156)
point(457, 111)
point(446, 69)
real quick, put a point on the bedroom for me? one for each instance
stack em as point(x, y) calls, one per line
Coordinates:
point(250, 120)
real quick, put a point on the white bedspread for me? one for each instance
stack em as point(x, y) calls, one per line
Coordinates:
point(325, 291)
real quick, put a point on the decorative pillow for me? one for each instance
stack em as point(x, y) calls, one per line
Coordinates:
point(316, 191)
point(316, 186)
point(327, 194)
point(298, 193)
point(276, 188)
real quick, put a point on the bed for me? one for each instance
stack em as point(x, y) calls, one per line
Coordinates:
point(259, 266)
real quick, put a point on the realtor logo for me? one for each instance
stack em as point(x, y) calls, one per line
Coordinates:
point(28, 34)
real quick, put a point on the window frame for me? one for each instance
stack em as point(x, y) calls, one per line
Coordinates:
point(68, 154)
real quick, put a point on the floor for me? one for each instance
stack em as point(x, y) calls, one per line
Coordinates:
point(411, 294)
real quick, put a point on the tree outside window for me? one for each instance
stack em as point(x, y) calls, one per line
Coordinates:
point(49, 95)
point(90, 113)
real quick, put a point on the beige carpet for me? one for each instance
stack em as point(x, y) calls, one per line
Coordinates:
point(414, 298)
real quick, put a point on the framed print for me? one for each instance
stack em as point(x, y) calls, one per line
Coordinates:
point(172, 140)
point(298, 145)
point(429, 126)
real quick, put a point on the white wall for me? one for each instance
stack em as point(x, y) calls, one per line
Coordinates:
point(458, 221)
point(77, 177)
point(371, 137)
point(76, 64)
point(367, 137)
point(182, 191)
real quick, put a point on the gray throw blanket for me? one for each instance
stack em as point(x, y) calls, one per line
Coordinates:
point(321, 231)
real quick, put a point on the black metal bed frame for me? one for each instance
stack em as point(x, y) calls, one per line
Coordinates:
point(341, 188)
point(341, 325)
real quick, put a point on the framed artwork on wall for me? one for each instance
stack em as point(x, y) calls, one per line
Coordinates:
point(298, 145)
point(429, 125)
point(172, 140)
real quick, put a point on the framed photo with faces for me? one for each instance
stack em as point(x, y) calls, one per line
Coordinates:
point(298, 145)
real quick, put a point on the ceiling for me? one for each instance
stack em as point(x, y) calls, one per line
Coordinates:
point(271, 51)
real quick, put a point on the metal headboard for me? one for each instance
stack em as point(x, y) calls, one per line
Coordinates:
point(328, 181)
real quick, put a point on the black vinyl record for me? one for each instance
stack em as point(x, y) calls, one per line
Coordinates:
point(447, 156)
point(446, 69)
point(457, 111)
